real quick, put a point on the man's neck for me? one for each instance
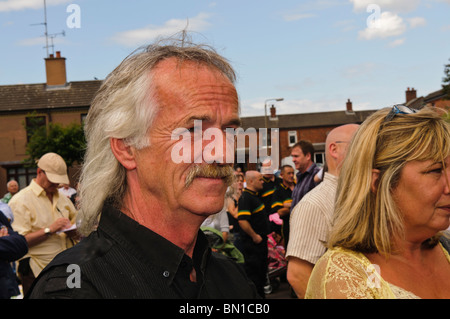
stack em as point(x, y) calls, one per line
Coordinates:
point(50, 197)
point(249, 187)
point(307, 168)
point(171, 225)
point(48, 194)
point(288, 184)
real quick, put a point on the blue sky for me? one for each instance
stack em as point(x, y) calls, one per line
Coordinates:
point(314, 54)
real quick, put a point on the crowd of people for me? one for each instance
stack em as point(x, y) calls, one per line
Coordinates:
point(369, 224)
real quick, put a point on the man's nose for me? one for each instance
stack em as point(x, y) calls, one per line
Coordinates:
point(218, 146)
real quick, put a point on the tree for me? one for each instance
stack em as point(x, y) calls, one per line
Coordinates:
point(69, 142)
point(446, 82)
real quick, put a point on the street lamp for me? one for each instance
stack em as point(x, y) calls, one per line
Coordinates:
point(265, 108)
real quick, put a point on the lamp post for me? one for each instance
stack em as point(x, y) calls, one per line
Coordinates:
point(265, 108)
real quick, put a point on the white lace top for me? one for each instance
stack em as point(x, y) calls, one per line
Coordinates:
point(343, 273)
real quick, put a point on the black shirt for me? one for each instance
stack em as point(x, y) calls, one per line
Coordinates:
point(282, 195)
point(252, 209)
point(268, 191)
point(124, 259)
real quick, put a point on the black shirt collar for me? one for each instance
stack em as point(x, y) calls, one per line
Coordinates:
point(250, 191)
point(150, 247)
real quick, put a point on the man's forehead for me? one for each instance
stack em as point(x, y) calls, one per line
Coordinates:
point(197, 88)
point(174, 68)
point(297, 150)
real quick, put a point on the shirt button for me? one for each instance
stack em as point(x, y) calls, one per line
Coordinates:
point(166, 273)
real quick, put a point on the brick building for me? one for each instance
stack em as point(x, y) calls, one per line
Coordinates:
point(56, 101)
point(434, 99)
point(313, 127)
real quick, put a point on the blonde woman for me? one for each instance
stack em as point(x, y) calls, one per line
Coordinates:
point(392, 206)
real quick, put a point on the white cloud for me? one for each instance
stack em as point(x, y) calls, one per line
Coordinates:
point(386, 25)
point(17, 5)
point(298, 16)
point(386, 5)
point(397, 42)
point(32, 41)
point(345, 25)
point(358, 70)
point(170, 27)
point(306, 83)
point(38, 41)
point(417, 22)
point(309, 9)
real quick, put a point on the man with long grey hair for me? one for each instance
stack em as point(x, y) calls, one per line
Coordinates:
point(141, 208)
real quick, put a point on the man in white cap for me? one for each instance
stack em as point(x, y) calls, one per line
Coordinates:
point(43, 217)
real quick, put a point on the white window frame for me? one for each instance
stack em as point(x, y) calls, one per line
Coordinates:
point(292, 134)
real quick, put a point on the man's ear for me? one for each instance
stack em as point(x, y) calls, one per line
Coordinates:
point(332, 148)
point(124, 153)
point(308, 156)
point(375, 180)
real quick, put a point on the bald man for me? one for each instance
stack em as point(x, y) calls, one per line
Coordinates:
point(311, 218)
point(254, 226)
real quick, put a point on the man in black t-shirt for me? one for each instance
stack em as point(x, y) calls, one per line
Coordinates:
point(270, 184)
point(282, 199)
point(254, 227)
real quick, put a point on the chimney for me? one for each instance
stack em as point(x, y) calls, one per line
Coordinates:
point(273, 112)
point(55, 69)
point(349, 106)
point(410, 95)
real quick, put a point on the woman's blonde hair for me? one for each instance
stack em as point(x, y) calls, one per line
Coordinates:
point(124, 108)
point(365, 220)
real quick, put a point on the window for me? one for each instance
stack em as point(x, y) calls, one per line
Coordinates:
point(21, 174)
point(319, 158)
point(292, 138)
point(33, 123)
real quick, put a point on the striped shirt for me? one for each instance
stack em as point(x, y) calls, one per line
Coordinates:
point(311, 220)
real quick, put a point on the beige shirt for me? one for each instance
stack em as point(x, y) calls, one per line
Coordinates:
point(33, 211)
point(310, 221)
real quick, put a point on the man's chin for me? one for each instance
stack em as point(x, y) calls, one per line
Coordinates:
point(205, 208)
point(207, 193)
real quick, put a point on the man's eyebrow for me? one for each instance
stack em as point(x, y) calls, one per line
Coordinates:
point(235, 121)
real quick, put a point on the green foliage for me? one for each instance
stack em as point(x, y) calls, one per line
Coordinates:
point(446, 82)
point(446, 117)
point(68, 141)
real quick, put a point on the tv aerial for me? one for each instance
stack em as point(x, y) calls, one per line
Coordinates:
point(49, 36)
